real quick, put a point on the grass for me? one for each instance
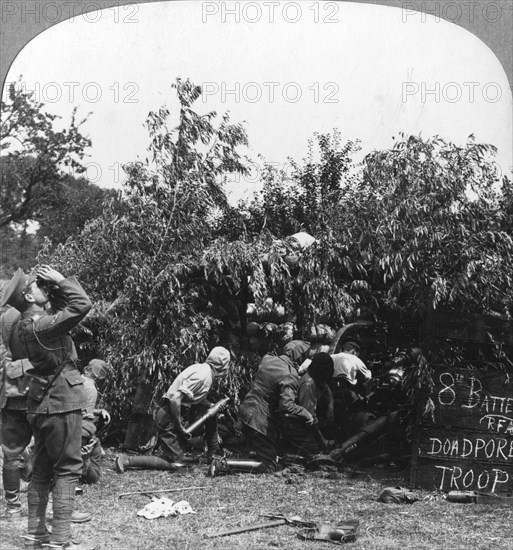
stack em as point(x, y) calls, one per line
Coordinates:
point(236, 500)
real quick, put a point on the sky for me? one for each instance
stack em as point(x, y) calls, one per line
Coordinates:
point(285, 69)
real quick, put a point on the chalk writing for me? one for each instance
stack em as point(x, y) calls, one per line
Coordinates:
point(478, 448)
point(468, 443)
point(447, 395)
point(455, 477)
point(498, 423)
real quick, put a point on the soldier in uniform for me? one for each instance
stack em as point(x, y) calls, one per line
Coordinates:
point(315, 396)
point(273, 394)
point(189, 390)
point(93, 420)
point(55, 400)
point(16, 430)
point(350, 378)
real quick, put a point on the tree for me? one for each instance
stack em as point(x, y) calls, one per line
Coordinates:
point(34, 153)
point(69, 205)
point(431, 230)
point(141, 261)
point(303, 198)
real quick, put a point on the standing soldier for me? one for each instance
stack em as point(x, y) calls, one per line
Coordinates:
point(55, 400)
point(16, 430)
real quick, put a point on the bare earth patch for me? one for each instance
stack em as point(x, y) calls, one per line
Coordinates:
point(236, 500)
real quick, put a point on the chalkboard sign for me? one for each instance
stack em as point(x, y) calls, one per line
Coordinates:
point(469, 443)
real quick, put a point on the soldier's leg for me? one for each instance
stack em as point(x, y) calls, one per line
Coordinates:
point(170, 443)
point(265, 450)
point(298, 438)
point(91, 470)
point(212, 437)
point(63, 439)
point(42, 475)
point(169, 438)
point(16, 435)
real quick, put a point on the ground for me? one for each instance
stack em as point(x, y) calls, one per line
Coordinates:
point(232, 501)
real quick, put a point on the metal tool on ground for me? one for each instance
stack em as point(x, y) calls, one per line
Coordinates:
point(152, 492)
point(278, 519)
point(209, 414)
point(335, 532)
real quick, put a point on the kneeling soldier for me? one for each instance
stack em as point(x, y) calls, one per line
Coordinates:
point(189, 390)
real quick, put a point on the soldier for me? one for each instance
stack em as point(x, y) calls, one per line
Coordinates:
point(93, 420)
point(272, 394)
point(16, 430)
point(55, 400)
point(315, 396)
point(189, 390)
point(350, 379)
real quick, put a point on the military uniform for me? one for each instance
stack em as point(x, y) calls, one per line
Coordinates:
point(349, 374)
point(315, 396)
point(91, 446)
point(54, 405)
point(16, 429)
point(272, 394)
point(192, 385)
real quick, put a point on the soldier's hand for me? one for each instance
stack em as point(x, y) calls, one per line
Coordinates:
point(49, 274)
point(105, 416)
point(309, 419)
point(185, 434)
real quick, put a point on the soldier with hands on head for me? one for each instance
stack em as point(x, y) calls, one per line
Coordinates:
point(55, 399)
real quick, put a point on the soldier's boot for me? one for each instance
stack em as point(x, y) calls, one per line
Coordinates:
point(125, 462)
point(33, 542)
point(80, 517)
point(222, 466)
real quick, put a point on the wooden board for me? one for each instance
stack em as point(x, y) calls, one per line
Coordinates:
point(470, 327)
point(469, 443)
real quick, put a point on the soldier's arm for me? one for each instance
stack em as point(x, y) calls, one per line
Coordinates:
point(288, 405)
point(175, 406)
point(307, 398)
point(16, 369)
point(76, 309)
point(11, 369)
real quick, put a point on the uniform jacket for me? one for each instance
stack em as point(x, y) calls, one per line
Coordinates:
point(44, 338)
point(195, 381)
point(14, 382)
point(316, 398)
point(88, 417)
point(274, 391)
